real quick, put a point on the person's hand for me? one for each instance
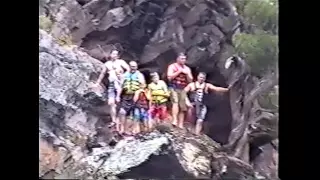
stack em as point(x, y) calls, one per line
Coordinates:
point(189, 105)
point(95, 86)
point(185, 70)
point(117, 99)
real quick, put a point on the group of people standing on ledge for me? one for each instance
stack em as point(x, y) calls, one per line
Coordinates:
point(132, 100)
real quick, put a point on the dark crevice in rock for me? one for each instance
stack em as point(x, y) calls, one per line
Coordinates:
point(143, 28)
point(51, 114)
point(152, 32)
point(83, 2)
point(165, 166)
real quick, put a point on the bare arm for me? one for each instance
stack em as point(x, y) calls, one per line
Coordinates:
point(148, 94)
point(119, 91)
point(136, 95)
point(102, 74)
point(125, 65)
point(171, 74)
point(141, 78)
point(215, 88)
point(189, 75)
point(165, 87)
point(186, 90)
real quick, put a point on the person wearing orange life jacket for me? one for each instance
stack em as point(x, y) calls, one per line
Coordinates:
point(131, 82)
point(179, 75)
point(197, 93)
point(141, 108)
point(159, 97)
point(114, 67)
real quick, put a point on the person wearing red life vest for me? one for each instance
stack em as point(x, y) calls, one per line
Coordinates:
point(141, 109)
point(179, 76)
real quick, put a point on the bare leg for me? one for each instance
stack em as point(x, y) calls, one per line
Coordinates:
point(122, 121)
point(136, 128)
point(175, 112)
point(113, 109)
point(181, 119)
point(123, 124)
point(118, 124)
point(199, 126)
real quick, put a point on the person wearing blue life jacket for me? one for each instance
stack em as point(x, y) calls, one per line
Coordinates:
point(131, 82)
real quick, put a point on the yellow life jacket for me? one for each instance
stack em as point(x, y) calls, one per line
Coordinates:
point(131, 82)
point(158, 95)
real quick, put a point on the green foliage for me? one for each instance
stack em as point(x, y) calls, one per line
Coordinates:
point(65, 40)
point(262, 13)
point(270, 100)
point(259, 50)
point(45, 23)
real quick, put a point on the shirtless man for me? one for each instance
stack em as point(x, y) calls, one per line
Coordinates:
point(198, 91)
point(113, 67)
point(179, 75)
point(132, 81)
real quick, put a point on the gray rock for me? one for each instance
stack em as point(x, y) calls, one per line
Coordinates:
point(151, 32)
point(66, 118)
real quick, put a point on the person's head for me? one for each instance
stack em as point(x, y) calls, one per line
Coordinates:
point(133, 66)
point(181, 59)
point(201, 77)
point(114, 54)
point(155, 77)
point(143, 85)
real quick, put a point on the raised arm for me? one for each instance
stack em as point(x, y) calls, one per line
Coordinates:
point(189, 74)
point(171, 74)
point(215, 88)
point(102, 74)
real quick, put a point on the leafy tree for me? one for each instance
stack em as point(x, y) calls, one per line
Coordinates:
point(259, 50)
point(259, 44)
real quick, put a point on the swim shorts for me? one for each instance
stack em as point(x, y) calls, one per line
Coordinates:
point(160, 111)
point(178, 96)
point(140, 114)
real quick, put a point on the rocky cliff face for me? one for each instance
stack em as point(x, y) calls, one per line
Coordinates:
point(150, 32)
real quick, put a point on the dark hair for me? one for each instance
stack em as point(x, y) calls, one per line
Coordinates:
point(152, 74)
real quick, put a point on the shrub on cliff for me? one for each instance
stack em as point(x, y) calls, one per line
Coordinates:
point(260, 50)
point(45, 23)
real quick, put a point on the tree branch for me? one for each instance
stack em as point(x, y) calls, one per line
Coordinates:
point(265, 85)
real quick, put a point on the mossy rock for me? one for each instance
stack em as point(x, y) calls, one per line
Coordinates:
point(45, 23)
point(65, 40)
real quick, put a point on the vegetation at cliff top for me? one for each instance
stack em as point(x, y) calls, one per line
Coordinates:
point(258, 41)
